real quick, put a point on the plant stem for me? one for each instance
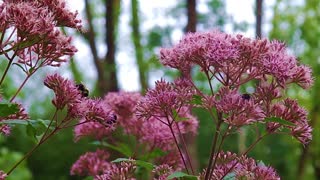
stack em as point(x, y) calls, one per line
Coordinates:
point(214, 144)
point(185, 147)
point(218, 150)
point(42, 140)
point(181, 154)
point(21, 86)
point(246, 152)
point(6, 71)
point(31, 151)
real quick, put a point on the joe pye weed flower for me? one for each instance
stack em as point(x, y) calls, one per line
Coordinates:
point(150, 130)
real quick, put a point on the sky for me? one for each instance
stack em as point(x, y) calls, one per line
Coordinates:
point(150, 10)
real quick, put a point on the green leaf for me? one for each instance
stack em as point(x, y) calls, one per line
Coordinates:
point(279, 120)
point(196, 99)
point(144, 164)
point(182, 175)
point(121, 147)
point(7, 109)
point(153, 154)
point(230, 176)
point(34, 128)
point(177, 117)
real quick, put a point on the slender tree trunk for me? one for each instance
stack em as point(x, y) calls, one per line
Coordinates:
point(192, 16)
point(110, 76)
point(259, 13)
point(136, 38)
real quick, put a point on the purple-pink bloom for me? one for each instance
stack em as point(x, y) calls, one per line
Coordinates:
point(91, 129)
point(122, 171)
point(242, 167)
point(66, 92)
point(91, 164)
point(165, 100)
point(3, 175)
point(290, 111)
point(162, 172)
point(239, 110)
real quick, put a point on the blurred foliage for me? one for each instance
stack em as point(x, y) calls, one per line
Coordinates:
point(8, 158)
point(298, 24)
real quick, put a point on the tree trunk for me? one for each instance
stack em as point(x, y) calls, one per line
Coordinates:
point(192, 16)
point(259, 18)
point(136, 38)
point(109, 66)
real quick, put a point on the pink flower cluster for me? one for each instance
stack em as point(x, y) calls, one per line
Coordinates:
point(93, 113)
point(2, 175)
point(151, 133)
point(241, 167)
point(33, 31)
point(234, 61)
point(96, 164)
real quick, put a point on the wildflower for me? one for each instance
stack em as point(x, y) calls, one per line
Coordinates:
point(39, 41)
point(165, 100)
point(239, 111)
point(123, 104)
point(122, 171)
point(66, 92)
point(241, 167)
point(162, 171)
point(290, 111)
point(91, 164)
point(92, 129)
point(5, 129)
point(3, 175)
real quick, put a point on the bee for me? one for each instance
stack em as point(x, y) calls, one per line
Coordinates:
point(82, 89)
point(113, 119)
point(246, 96)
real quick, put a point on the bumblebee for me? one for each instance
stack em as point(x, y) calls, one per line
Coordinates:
point(246, 96)
point(82, 89)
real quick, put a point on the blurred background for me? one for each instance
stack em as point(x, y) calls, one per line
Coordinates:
point(118, 51)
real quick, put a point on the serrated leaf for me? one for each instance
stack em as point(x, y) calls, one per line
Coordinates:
point(182, 175)
point(230, 176)
point(7, 109)
point(279, 120)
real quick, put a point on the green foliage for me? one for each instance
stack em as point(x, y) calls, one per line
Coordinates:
point(34, 128)
point(8, 159)
point(182, 175)
point(7, 109)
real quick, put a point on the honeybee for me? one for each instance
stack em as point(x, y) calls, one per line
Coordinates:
point(83, 90)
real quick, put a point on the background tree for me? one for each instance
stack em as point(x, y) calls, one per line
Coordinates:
point(106, 65)
point(298, 24)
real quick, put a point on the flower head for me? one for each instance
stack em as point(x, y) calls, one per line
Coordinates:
point(91, 164)
point(66, 92)
point(242, 167)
